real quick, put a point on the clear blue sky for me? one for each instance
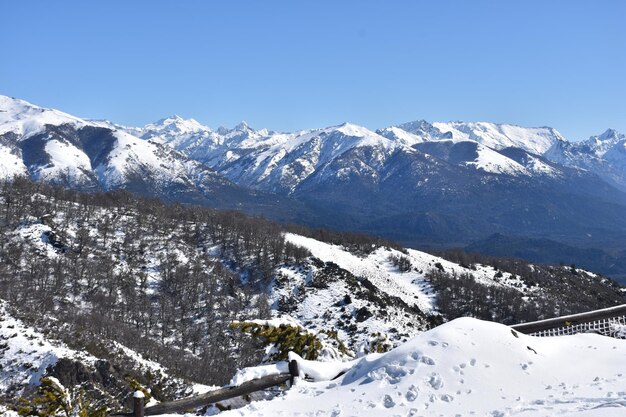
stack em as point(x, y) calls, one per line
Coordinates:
point(293, 64)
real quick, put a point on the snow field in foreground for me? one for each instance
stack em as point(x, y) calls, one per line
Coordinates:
point(469, 367)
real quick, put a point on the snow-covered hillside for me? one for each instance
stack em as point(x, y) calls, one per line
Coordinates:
point(27, 355)
point(468, 367)
point(361, 295)
point(111, 273)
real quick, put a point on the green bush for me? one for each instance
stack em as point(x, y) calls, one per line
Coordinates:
point(54, 400)
point(283, 339)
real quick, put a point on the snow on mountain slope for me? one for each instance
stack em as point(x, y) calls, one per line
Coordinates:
point(604, 155)
point(586, 151)
point(599, 145)
point(26, 354)
point(265, 159)
point(412, 285)
point(361, 295)
point(402, 136)
point(468, 367)
point(536, 140)
point(281, 162)
point(62, 155)
point(132, 156)
point(473, 155)
point(489, 160)
point(25, 119)
point(198, 141)
point(55, 147)
point(278, 162)
point(11, 163)
point(176, 125)
point(423, 129)
point(611, 147)
point(66, 160)
point(179, 133)
point(497, 136)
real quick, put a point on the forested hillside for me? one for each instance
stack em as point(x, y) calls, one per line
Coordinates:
point(110, 274)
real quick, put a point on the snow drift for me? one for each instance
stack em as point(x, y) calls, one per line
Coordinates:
point(468, 367)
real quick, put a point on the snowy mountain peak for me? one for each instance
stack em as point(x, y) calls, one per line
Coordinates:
point(602, 143)
point(176, 124)
point(173, 117)
point(240, 129)
point(26, 119)
point(402, 136)
point(424, 130)
point(243, 125)
point(350, 129)
point(417, 126)
point(610, 134)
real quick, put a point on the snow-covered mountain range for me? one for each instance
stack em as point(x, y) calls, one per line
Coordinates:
point(272, 160)
point(283, 162)
point(418, 182)
point(55, 147)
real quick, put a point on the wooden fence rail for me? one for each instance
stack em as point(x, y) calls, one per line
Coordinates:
point(606, 321)
point(212, 397)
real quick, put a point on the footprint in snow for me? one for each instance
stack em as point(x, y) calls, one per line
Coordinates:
point(427, 360)
point(388, 402)
point(447, 398)
point(412, 393)
point(435, 381)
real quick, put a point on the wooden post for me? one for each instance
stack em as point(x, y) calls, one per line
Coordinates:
point(138, 398)
point(293, 371)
